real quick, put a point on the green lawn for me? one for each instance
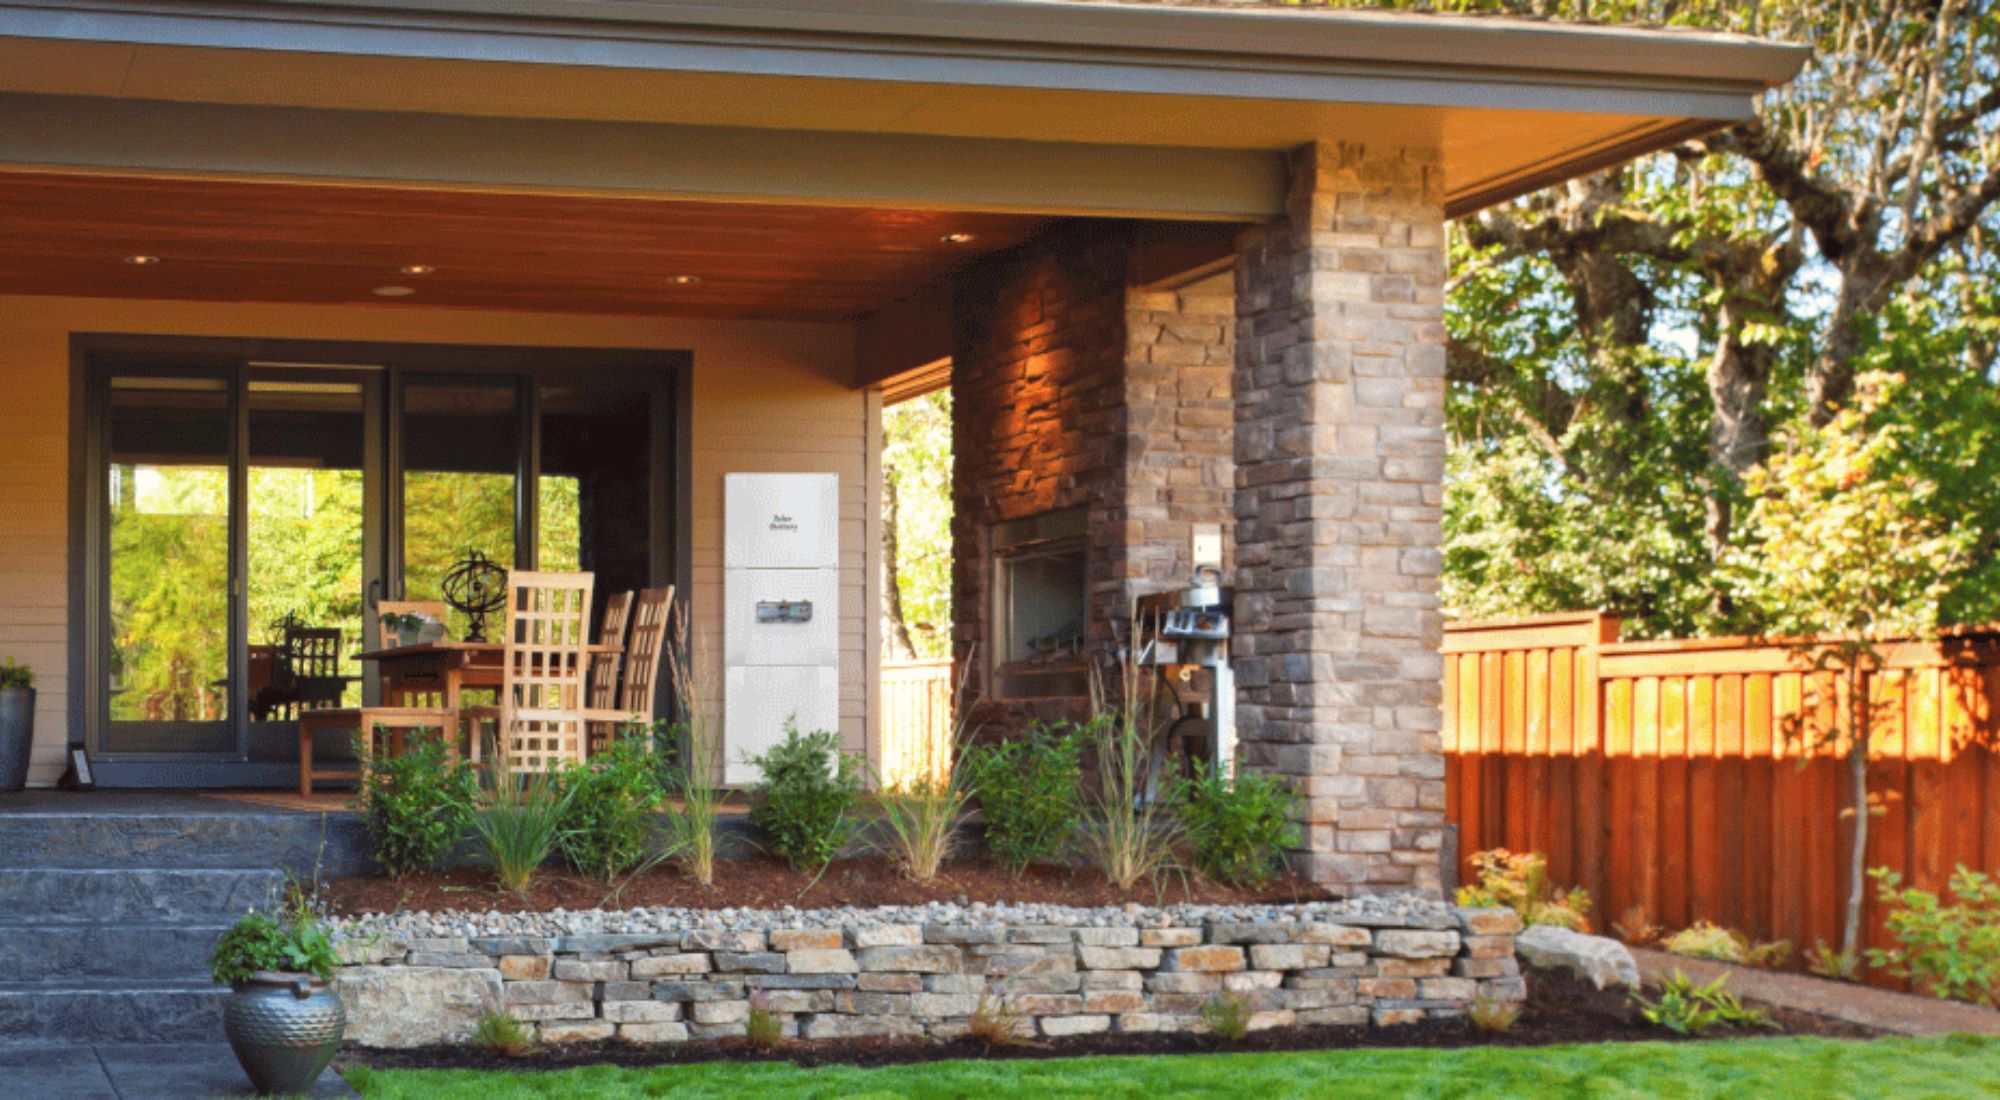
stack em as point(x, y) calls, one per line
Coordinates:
point(1901, 1068)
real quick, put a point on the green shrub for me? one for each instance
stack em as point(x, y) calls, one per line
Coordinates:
point(804, 806)
point(520, 827)
point(1238, 831)
point(1705, 940)
point(502, 1034)
point(1227, 1017)
point(14, 674)
point(1030, 794)
point(764, 1028)
point(1685, 1008)
point(610, 805)
point(417, 805)
point(1948, 951)
point(1492, 1015)
point(295, 943)
point(1520, 881)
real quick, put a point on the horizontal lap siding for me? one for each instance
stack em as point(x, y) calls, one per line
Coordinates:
point(768, 396)
point(1702, 798)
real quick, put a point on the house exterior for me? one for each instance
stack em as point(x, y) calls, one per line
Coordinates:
point(574, 261)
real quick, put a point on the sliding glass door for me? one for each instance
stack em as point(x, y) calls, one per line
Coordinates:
point(247, 516)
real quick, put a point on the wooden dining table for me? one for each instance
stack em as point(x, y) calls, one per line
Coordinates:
point(448, 668)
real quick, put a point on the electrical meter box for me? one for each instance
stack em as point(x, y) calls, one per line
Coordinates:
point(781, 612)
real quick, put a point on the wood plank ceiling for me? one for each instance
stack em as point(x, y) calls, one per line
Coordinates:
point(73, 234)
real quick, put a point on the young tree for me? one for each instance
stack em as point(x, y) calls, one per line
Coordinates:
point(916, 525)
point(1850, 559)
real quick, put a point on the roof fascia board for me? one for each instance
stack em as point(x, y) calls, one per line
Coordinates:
point(1072, 46)
point(640, 160)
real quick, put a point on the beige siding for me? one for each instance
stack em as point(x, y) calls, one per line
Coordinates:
point(768, 396)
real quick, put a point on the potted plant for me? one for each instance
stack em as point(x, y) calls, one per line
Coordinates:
point(407, 626)
point(17, 723)
point(285, 1020)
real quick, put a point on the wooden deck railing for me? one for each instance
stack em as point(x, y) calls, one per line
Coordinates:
point(916, 719)
point(1674, 775)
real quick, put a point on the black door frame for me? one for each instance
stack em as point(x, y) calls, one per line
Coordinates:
point(93, 356)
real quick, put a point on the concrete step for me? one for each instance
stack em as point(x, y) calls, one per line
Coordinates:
point(127, 895)
point(332, 844)
point(65, 954)
point(111, 1012)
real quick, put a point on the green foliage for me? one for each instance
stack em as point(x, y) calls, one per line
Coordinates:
point(14, 674)
point(916, 471)
point(1227, 1016)
point(804, 806)
point(293, 943)
point(764, 1028)
point(1129, 834)
point(501, 1033)
point(1685, 1008)
point(1238, 831)
point(1705, 940)
point(996, 1023)
point(1520, 881)
point(1946, 950)
point(1030, 793)
point(611, 801)
point(1831, 962)
point(520, 827)
point(416, 806)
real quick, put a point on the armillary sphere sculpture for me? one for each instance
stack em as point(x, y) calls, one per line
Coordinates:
point(476, 587)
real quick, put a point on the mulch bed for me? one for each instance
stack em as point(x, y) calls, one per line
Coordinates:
point(1560, 1009)
point(766, 883)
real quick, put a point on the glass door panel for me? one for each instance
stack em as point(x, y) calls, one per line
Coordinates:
point(168, 446)
point(307, 536)
point(461, 446)
point(595, 490)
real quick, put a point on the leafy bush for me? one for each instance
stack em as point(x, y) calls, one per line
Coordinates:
point(502, 1034)
point(417, 805)
point(610, 802)
point(295, 943)
point(805, 804)
point(1227, 1017)
point(1520, 881)
point(1493, 1015)
point(1704, 940)
point(1685, 1008)
point(14, 674)
point(520, 827)
point(1029, 793)
point(1238, 831)
point(1950, 951)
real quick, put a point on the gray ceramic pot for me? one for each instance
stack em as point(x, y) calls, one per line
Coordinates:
point(17, 736)
point(284, 1028)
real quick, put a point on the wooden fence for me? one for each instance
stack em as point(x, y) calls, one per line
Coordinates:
point(916, 718)
point(1684, 776)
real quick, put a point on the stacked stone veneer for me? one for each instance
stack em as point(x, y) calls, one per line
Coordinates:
point(1067, 972)
point(1339, 395)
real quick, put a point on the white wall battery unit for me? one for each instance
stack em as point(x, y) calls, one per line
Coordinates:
point(781, 621)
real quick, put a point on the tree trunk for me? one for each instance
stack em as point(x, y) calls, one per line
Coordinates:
point(1857, 771)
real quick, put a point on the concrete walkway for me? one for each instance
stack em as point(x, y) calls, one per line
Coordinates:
point(122, 1071)
point(1883, 1009)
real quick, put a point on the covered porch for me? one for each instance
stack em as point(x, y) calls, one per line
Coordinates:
point(535, 281)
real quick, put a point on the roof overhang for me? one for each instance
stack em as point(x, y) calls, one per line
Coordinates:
point(1512, 104)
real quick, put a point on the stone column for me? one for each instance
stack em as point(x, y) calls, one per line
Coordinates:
point(1339, 395)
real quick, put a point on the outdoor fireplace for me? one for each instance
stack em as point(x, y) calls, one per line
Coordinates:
point(1040, 594)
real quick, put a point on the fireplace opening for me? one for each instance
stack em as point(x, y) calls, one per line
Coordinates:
point(1041, 590)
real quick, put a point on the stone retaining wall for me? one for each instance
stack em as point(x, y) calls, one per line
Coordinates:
point(904, 974)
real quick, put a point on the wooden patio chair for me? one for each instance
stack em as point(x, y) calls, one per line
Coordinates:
point(408, 693)
point(312, 658)
point(643, 656)
point(542, 678)
point(604, 662)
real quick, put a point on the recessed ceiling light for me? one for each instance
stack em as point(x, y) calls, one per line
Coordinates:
point(684, 280)
point(416, 269)
point(394, 291)
point(956, 238)
point(142, 261)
